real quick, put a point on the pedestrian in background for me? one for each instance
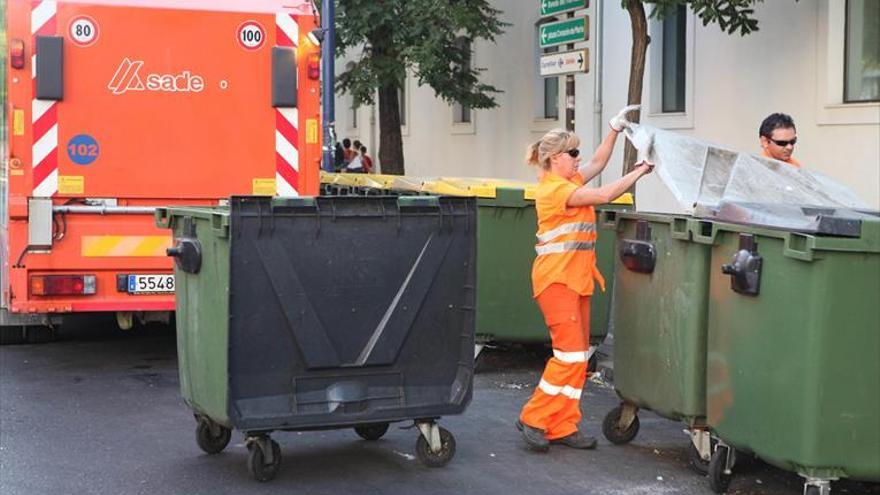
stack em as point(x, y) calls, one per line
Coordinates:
point(338, 158)
point(367, 161)
point(563, 276)
point(348, 153)
point(356, 165)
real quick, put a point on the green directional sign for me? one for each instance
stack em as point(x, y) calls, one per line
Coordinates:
point(560, 33)
point(553, 7)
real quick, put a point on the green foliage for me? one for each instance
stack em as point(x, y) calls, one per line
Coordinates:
point(417, 35)
point(730, 15)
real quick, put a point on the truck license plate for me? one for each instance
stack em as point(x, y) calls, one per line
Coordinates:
point(150, 284)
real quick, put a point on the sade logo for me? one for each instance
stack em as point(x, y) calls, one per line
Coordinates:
point(128, 78)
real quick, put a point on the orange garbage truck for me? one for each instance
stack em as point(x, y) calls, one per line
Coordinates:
point(116, 107)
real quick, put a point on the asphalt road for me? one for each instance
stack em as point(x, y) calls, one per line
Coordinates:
point(98, 412)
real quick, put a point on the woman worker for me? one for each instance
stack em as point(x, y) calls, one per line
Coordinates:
point(563, 275)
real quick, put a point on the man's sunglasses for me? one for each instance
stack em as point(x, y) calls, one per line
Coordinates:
point(573, 153)
point(782, 143)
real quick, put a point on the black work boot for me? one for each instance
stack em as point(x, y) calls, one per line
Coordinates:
point(576, 441)
point(534, 437)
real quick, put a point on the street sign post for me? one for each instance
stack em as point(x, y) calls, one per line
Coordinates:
point(554, 7)
point(557, 64)
point(563, 32)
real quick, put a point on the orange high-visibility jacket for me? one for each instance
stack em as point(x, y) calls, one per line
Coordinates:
point(566, 238)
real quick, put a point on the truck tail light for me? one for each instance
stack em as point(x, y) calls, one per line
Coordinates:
point(313, 66)
point(16, 53)
point(63, 285)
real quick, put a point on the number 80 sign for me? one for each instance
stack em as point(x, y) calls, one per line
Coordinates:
point(83, 30)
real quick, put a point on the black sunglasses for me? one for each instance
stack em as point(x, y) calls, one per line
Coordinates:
point(573, 153)
point(782, 143)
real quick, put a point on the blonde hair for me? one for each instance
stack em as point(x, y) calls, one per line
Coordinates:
point(553, 143)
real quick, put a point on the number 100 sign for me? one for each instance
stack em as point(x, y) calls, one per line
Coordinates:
point(251, 35)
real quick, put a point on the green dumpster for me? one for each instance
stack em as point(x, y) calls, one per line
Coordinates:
point(298, 314)
point(659, 323)
point(794, 349)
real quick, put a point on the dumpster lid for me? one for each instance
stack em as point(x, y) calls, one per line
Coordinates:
point(817, 219)
point(692, 174)
point(480, 187)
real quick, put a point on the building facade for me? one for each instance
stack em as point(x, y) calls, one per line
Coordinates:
point(817, 60)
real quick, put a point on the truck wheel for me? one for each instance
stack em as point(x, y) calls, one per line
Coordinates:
point(211, 437)
point(436, 459)
point(12, 334)
point(371, 432)
point(39, 334)
point(612, 430)
point(259, 469)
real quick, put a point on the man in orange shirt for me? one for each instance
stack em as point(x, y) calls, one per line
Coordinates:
point(778, 137)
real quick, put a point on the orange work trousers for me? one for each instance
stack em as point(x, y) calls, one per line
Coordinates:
point(555, 405)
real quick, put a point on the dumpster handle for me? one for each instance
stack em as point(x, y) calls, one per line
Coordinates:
point(163, 218)
point(799, 246)
point(678, 229)
point(219, 226)
point(703, 231)
point(608, 218)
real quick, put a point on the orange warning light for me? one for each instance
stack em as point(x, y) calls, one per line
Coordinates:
point(314, 66)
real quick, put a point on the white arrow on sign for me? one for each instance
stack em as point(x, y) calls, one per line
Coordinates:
point(557, 64)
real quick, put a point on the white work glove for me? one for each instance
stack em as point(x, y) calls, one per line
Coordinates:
point(619, 121)
point(644, 151)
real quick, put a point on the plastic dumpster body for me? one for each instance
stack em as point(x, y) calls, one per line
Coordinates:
point(793, 346)
point(328, 312)
point(659, 314)
point(506, 225)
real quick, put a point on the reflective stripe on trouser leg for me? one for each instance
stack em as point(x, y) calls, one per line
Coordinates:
point(555, 406)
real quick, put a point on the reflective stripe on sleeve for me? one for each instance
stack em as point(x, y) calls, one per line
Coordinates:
point(567, 228)
point(566, 390)
point(561, 247)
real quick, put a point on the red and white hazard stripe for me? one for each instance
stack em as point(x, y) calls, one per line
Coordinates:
point(44, 114)
point(286, 120)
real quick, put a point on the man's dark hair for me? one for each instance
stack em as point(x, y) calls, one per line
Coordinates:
point(775, 121)
point(363, 149)
point(357, 144)
point(346, 143)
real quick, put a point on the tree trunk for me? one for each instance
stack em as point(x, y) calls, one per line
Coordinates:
point(390, 140)
point(640, 42)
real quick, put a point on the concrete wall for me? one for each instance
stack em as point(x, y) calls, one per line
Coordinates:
point(793, 65)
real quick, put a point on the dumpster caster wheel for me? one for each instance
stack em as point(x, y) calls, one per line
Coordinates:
point(260, 467)
point(440, 458)
point(719, 475)
point(815, 486)
point(698, 464)
point(372, 432)
point(612, 430)
point(212, 437)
